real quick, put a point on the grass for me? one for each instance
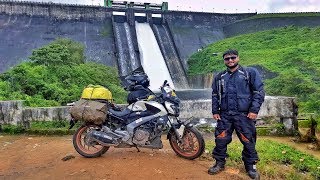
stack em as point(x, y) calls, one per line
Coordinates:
point(304, 124)
point(282, 15)
point(286, 55)
point(51, 128)
point(277, 129)
point(12, 129)
point(317, 121)
point(277, 160)
point(41, 128)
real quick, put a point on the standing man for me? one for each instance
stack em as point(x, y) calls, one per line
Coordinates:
point(237, 94)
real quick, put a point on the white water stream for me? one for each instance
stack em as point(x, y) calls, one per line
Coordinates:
point(151, 57)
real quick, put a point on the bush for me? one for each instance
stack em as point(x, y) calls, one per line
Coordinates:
point(59, 52)
point(12, 129)
point(56, 75)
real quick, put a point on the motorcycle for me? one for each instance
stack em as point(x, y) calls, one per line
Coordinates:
point(141, 125)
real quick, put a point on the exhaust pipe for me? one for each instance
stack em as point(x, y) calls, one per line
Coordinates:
point(103, 138)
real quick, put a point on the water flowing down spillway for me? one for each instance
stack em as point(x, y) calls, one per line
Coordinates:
point(151, 58)
point(133, 59)
point(123, 62)
point(127, 61)
point(171, 56)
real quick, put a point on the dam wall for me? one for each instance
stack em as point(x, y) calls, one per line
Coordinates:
point(55, 11)
point(26, 26)
point(29, 25)
point(23, 33)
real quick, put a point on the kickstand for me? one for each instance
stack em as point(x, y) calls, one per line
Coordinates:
point(137, 148)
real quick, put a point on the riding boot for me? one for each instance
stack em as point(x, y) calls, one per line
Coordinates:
point(252, 171)
point(218, 167)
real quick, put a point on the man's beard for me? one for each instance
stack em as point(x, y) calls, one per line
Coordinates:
point(231, 67)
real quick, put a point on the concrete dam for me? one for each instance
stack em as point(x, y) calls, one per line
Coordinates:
point(159, 41)
point(113, 39)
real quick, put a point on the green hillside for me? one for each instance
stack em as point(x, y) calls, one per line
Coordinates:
point(291, 53)
point(55, 75)
point(283, 15)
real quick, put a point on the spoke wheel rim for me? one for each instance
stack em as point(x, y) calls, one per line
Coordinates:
point(81, 141)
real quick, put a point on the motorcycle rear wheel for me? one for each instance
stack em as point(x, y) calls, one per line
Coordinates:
point(81, 145)
point(192, 145)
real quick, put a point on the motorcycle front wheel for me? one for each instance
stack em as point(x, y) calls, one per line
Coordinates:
point(191, 146)
point(84, 146)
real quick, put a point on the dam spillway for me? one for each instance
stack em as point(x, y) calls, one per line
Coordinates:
point(156, 52)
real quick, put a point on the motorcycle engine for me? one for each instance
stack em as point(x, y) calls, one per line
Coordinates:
point(141, 136)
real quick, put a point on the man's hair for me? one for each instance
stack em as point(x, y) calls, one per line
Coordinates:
point(230, 52)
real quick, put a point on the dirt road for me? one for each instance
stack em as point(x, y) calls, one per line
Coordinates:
point(34, 157)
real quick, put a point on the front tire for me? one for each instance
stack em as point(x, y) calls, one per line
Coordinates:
point(192, 145)
point(83, 146)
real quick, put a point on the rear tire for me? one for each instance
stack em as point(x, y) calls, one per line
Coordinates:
point(192, 145)
point(81, 145)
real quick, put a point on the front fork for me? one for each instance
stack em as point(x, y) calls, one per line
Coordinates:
point(178, 126)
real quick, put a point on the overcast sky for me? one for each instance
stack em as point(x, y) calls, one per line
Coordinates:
point(223, 6)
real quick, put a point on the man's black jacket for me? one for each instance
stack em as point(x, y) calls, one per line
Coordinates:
point(238, 92)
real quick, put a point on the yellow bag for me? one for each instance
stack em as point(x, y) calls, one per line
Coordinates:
point(96, 92)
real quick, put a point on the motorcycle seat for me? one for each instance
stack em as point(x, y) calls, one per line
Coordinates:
point(122, 113)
